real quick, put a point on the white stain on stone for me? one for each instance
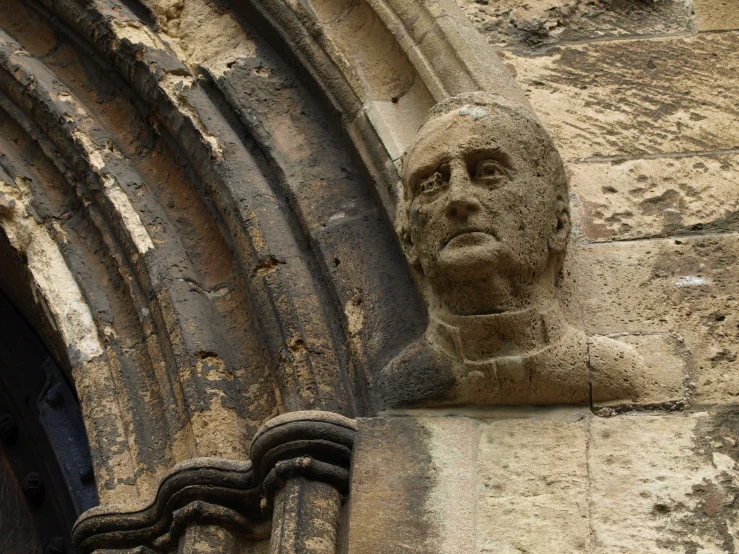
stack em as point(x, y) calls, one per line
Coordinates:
point(131, 220)
point(118, 198)
point(53, 284)
point(175, 87)
point(690, 281)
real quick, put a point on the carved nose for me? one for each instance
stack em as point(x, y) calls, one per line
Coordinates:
point(460, 202)
point(461, 207)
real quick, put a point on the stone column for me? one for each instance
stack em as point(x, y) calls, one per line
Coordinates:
point(306, 518)
point(305, 459)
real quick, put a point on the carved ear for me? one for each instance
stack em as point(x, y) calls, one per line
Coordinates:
point(558, 239)
point(410, 249)
point(403, 229)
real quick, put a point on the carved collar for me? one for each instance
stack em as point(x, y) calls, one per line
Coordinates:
point(483, 339)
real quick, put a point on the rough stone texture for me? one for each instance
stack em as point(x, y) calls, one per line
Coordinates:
point(659, 357)
point(716, 15)
point(532, 482)
point(649, 96)
point(452, 443)
point(485, 222)
point(684, 287)
point(202, 34)
point(655, 197)
point(666, 359)
point(655, 488)
point(387, 507)
point(198, 215)
point(523, 24)
point(555, 480)
point(306, 518)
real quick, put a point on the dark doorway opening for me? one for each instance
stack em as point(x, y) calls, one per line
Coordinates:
point(46, 475)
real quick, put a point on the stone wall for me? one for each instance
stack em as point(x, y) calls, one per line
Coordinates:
point(640, 98)
point(197, 201)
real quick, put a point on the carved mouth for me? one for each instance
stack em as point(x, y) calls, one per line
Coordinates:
point(468, 235)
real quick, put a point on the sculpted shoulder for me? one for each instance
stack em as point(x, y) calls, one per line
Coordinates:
point(618, 374)
point(418, 375)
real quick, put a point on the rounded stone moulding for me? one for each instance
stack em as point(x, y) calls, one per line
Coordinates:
point(234, 495)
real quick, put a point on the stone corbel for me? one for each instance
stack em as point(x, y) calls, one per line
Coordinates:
point(299, 472)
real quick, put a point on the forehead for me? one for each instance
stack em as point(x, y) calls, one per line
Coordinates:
point(460, 131)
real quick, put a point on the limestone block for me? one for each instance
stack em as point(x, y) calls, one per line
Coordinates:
point(557, 480)
point(663, 361)
point(453, 446)
point(379, 318)
point(651, 198)
point(654, 491)
point(638, 97)
point(716, 15)
point(684, 287)
point(532, 486)
point(392, 475)
point(665, 357)
point(543, 23)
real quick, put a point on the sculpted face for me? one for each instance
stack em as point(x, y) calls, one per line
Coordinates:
point(482, 197)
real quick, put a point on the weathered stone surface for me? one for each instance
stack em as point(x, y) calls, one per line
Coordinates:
point(549, 480)
point(683, 287)
point(655, 489)
point(382, 309)
point(256, 241)
point(392, 475)
point(518, 23)
point(532, 481)
point(665, 359)
point(485, 222)
point(453, 448)
point(716, 15)
point(659, 358)
point(652, 198)
point(306, 518)
point(213, 539)
point(638, 97)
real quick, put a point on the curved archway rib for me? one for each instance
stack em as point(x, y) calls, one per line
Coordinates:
point(227, 224)
point(283, 291)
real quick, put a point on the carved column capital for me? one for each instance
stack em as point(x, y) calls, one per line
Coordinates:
point(297, 447)
point(202, 490)
point(312, 444)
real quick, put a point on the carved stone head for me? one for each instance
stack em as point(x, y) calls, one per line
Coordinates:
point(486, 211)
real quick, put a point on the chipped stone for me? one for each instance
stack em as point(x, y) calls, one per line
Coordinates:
point(655, 198)
point(650, 96)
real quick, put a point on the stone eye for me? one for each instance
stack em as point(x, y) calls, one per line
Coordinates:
point(434, 182)
point(487, 169)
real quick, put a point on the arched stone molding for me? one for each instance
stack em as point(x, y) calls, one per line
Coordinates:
point(203, 236)
point(383, 64)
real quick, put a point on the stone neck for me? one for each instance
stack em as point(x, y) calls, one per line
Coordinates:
point(479, 338)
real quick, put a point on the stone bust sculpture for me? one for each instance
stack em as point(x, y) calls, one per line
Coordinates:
point(485, 221)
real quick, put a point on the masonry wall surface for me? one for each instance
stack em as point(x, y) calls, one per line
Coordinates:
point(197, 204)
point(641, 99)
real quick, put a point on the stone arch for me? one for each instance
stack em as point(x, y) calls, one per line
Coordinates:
point(204, 238)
